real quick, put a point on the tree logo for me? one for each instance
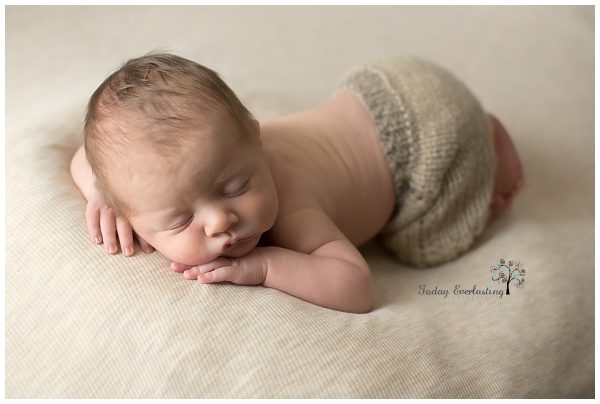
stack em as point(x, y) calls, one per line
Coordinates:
point(511, 273)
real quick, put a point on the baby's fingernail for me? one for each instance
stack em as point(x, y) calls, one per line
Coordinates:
point(98, 239)
point(128, 250)
point(112, 249)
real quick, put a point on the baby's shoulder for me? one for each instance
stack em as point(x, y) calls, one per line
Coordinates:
point(304, 229)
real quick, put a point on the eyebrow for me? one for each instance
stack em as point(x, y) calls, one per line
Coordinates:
point(230, 173)
point(169, 213)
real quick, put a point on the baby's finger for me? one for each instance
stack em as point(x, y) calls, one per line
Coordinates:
point(92, 220)
point(177, 267)
point(109, 231)
point(147, 248)
point(223, 274)
point(191, 273)
point(214, 264)
point(125, 235)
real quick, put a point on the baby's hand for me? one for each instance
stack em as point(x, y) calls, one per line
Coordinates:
point(104, 226)
point(247, 270)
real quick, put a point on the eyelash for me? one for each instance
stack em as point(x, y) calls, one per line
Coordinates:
point(239, 192)
point(184, 223)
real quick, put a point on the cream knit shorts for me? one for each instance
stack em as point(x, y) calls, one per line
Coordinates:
point(437, 142)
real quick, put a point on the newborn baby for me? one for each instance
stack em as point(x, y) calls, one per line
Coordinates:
point(401, 150)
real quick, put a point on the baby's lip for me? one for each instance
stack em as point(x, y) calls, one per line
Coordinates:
point(237, 240)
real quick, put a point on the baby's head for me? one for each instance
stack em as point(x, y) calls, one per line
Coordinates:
point(175, 152)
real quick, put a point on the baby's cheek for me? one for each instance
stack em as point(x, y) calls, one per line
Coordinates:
point(265, 208)
point(179, 251)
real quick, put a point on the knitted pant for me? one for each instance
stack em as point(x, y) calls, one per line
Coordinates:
point(437, 143)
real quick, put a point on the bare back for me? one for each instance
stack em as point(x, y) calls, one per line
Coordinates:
point(329, 157)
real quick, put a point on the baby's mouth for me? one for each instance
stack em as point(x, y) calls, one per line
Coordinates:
point(239, 242)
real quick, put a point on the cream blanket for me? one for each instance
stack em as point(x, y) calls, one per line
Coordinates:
point(80, 323)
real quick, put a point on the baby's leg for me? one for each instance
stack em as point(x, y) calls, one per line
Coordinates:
point(509, 173)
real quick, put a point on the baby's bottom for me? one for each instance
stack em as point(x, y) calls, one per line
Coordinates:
point(453, 166)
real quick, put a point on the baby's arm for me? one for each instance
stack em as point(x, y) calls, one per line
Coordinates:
point(329, 277)
point(82, 172)
point(103, 226)
point(321, 267)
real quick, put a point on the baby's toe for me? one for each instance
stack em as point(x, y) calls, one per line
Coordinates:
point(498, 203)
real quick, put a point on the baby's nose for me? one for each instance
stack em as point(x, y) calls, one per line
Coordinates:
point(220, 224)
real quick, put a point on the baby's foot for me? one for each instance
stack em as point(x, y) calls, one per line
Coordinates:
point(509, 173)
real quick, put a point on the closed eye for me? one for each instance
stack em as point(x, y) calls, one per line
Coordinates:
point(183, 224)
point(242, 190)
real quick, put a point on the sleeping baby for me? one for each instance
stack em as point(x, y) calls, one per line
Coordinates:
point(402, 151)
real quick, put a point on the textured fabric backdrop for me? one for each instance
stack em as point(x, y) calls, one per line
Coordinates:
point(80, 323)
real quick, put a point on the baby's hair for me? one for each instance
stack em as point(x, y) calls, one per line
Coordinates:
point(156, 95)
